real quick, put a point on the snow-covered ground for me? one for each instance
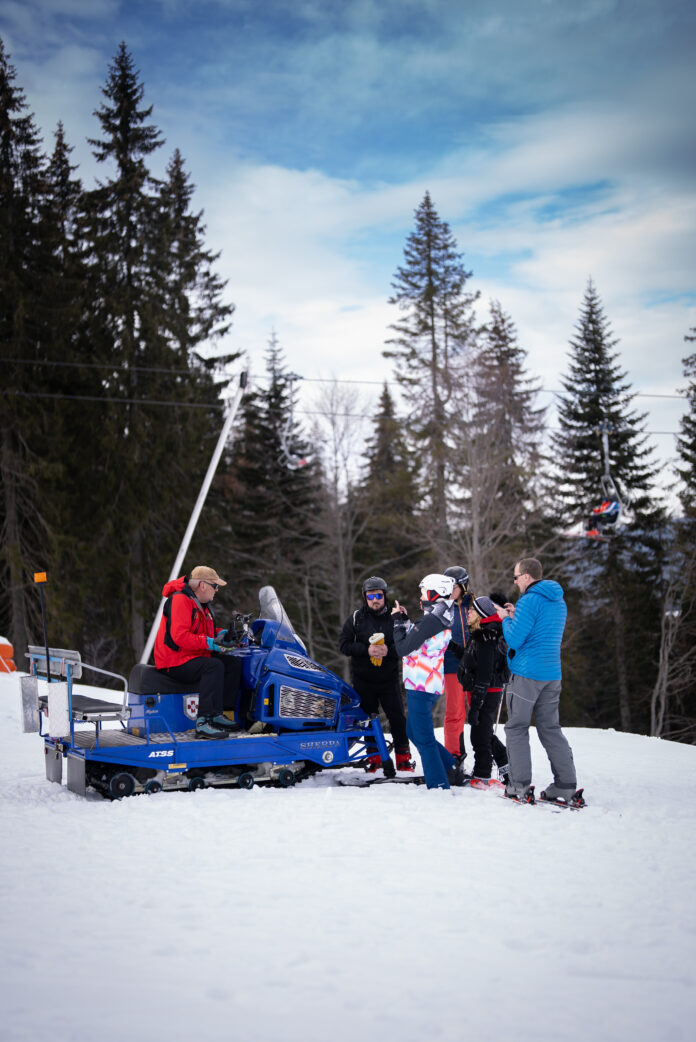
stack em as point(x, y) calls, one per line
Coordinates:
point(324, 912)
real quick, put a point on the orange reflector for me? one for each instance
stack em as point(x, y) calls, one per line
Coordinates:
point(39, 577)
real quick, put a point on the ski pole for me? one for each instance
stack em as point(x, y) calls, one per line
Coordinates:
point(500, 706)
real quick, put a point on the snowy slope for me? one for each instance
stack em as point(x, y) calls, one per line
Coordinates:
point(324, 912)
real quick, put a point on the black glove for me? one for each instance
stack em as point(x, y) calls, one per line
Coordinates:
point(464, 675)
point(456, 649)
point(475, 709)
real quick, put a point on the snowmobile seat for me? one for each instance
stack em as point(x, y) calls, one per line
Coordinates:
point(148, 680)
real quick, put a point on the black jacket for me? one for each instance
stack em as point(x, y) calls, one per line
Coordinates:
point(356, 637)
point(483, 661)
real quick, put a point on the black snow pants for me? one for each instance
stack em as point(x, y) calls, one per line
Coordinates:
point(390, 698)
point(487, 746)
point(218, 679)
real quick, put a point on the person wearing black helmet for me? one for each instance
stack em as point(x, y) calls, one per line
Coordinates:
point(367, 639)
point(455, 696)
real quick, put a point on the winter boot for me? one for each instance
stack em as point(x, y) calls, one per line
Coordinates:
point(205, 728)
point(504, 774)
point(558, 792)
point(456, 776)
point(520, 793)
point(226, 724)
point(405, 763)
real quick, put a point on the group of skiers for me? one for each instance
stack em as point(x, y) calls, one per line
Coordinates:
point(454, 648)
point(465, 647)
point(469, 648)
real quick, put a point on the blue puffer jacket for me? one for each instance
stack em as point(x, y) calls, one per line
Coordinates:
point(534, 635)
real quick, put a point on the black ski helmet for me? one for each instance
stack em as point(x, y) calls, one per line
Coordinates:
point(374, 583)
point(460, 576)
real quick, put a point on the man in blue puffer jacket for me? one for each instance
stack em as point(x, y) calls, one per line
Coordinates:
point(533, 630)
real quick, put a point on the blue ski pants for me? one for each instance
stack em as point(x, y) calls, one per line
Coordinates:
point(419, 727)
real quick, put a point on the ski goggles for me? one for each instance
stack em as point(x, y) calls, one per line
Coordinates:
point(375, 596)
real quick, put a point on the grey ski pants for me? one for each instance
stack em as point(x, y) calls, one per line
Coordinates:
point(525, 697)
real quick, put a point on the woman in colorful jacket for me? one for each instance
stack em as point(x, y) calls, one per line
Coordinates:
point(422, 645)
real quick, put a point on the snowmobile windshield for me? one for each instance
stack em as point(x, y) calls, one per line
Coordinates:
point(271, 608)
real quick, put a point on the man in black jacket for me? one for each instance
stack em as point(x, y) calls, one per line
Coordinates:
point(367, 639)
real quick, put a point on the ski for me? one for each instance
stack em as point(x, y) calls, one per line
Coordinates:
point(577, 802)
point(364, 783)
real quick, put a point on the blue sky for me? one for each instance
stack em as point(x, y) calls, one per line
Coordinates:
point(556, 138)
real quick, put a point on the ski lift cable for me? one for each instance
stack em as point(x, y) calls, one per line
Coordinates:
point(680, 394)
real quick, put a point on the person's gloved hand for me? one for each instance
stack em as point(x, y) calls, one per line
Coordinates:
point(474, 710)
point(221, 635)
point(213, 645)
point(456, 649)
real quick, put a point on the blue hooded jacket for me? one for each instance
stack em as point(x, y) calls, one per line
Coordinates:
point(534, 635)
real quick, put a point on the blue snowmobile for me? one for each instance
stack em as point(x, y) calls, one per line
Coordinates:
point(300, 718)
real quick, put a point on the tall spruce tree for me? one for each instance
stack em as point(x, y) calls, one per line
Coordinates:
point(499, 432)
point(613, 586)
point(674, 693)
point(273, 505)
point(154, 302)
point(24, 529)
point(686, 442)
point(428, 342)
point(389, 498)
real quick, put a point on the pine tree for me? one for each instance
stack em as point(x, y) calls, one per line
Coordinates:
point(596, 392)
point(154, 303)
point(499, 435)
point(428, 342)
point(389, 498)
point(674, 694)
point(686, 443)
point(273, 505)
point(613, 587)
point(24, 529)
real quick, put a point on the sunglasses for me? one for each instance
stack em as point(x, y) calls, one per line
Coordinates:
point(516, 577)
point(375, 596)
point(213, 586)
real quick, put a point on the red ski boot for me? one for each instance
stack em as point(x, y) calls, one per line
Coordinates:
point(405, 763)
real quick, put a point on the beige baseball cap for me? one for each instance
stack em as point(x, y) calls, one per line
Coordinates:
point(201, 571)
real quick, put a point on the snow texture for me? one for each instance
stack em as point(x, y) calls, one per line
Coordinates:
point(325, 912)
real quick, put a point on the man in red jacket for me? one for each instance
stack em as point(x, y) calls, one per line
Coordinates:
point(185, 649)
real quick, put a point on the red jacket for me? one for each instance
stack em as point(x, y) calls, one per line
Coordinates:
point(184, 627)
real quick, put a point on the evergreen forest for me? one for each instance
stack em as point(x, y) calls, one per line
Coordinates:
point(114, 331)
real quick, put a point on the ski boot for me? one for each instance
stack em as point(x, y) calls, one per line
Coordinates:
point(373, 763)
point(484, 783)
point(520, 793)
point(404, 763)
point(456, 776)
point(563, 797)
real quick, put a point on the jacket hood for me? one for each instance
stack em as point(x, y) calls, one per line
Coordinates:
point(547, 588)
point(174, 586)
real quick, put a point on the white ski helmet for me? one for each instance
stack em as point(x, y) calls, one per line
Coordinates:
point(435, 586)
